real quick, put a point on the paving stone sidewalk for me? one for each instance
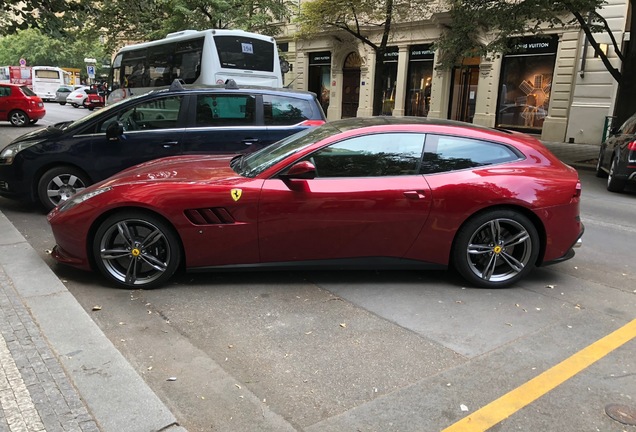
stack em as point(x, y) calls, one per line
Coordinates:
point(35, 393)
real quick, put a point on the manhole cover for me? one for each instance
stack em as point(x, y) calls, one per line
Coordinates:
point(622, 413)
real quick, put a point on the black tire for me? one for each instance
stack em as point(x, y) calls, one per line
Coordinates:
point(34, 121)
point(600, 172)
point(62, 103)
point(136, 249)
point(614, 184)
point(18, 118)
point(59, 184)
point(74, 105)
point(496, 249)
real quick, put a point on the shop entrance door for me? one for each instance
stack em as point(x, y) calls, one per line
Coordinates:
point(351, 85)
point(464, 92)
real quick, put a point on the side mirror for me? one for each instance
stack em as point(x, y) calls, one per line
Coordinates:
point(614, 131)
point(301, 170)
point(114, 131)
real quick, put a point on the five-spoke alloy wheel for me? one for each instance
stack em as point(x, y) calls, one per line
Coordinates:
point(136, 250)
point(496, 248)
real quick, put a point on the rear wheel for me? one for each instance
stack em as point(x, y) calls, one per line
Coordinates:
point(614, 184)
point(18, 118)
point(600, 172)
point(59, 184)
point(136, 250)
point(75, 105)
point(496, 249)
point(62, 103)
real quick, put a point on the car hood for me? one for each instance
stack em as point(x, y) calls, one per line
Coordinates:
point(39, 134)
point(191, 168)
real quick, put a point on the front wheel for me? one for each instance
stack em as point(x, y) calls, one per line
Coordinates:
point(75, 105)
point(600, 172)
point(614, 184)
point(62, 103)
point(136, 250)
point(59, 184)
point(496, 249)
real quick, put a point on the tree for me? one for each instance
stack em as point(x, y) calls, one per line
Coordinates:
point(52, 17)
point(369, 21)
point(486, 27)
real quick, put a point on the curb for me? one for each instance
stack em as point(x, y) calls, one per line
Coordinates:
point(115, 395)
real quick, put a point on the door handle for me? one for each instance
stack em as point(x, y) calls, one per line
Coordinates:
point(168, 144)
point(250, 141)
point(415, 194)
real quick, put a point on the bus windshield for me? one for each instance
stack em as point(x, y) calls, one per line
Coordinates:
point(208, 57)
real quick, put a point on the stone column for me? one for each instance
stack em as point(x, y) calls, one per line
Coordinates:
point(402, 77)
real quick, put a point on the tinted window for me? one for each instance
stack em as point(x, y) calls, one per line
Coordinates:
point(225, 110)
point(239, 52)
point(148, 115)
point(27, 91)
point(284, 110)
point(389, 154)
point(5, 91)
point(449, 153)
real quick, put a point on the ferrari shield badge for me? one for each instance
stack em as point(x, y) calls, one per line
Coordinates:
point(236, 194)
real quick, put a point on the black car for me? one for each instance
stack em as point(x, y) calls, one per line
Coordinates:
point(50, 165)
point(617, 157)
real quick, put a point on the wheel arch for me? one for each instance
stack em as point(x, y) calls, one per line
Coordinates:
point(536, 221)
point(90, 236)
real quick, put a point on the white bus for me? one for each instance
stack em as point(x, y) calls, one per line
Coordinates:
point(45, 81)
point(204, 57)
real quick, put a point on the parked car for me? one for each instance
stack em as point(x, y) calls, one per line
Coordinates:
point(52, 164)
point(20, 105)
point(617, 156)
point(77, 96)
point(62, 93)
point(383, 192)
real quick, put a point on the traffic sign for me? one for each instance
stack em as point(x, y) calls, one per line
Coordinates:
point(91, 71)
point(22, 62)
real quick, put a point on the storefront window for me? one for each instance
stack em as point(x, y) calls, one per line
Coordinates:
point(320, 77)
point(420, 74)
point(389, 79)
point(526, 84)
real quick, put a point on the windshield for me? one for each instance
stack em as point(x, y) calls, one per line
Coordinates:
point(257, 162)
point(80, 122)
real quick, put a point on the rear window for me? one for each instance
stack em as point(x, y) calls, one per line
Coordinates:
point(27, 91)
point(241, 52)
point(284, 110)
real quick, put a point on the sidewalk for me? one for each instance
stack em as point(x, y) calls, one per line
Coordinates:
point(58, 371)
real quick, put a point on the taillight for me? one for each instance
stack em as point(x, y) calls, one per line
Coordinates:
point(312, 123)
point(631, 146)
point(577, 189)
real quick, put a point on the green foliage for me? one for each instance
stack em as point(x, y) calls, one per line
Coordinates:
point(39, 49)
point(484, 27)
point(52, 17)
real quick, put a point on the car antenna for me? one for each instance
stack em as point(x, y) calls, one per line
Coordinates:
point(177, 84)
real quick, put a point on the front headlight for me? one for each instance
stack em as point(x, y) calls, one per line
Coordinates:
point(80, 198)
point(8, 153)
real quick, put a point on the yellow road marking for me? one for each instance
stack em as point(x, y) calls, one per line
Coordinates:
point(502, 408)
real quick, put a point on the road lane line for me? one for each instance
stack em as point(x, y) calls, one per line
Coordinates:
point(502, 408)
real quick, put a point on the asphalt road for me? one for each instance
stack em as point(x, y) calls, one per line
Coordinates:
point(376, 351)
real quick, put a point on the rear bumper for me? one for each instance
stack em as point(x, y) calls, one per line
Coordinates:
point(570, 253)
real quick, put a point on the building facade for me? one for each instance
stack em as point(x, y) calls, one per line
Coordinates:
point(553, 85)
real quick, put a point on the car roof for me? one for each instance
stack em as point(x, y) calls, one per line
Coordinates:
point(177, 87)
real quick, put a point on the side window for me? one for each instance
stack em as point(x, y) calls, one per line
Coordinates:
point(389, 154)
point(148, 115)
point(284, 111)
point(449, 153)
point(5, 91)
point(225, 110)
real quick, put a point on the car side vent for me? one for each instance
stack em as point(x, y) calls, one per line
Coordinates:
point(209, 216)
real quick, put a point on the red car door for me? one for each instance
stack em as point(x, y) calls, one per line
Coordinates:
point(368, 201)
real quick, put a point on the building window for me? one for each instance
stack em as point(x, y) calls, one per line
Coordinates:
point(389, 79)
point(418, 86)
point(320, 77)
point(526, 84)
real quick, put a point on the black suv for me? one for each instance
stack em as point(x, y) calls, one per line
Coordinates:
point(617, 156)
point(52, 164)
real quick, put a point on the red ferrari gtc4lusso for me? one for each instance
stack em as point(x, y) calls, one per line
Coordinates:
point(380, 193)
